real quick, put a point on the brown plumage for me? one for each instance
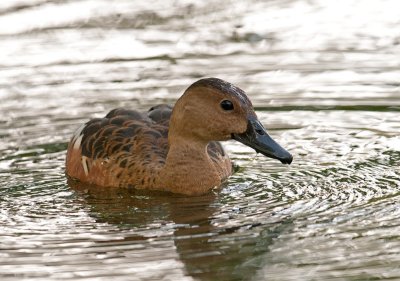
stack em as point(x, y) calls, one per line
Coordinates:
point(171, 149)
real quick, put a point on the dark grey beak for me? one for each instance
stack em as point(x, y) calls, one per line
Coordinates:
point(257, 137)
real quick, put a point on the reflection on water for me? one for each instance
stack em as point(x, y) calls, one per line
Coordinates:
point(324, 78)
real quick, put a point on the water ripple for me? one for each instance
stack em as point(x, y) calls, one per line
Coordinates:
point(325, 84)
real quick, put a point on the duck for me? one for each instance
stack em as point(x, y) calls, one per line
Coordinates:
point(174, 149)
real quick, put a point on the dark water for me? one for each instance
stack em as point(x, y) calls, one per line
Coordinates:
point(324, 77)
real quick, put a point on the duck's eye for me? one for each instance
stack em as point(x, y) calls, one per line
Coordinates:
point(227, 105)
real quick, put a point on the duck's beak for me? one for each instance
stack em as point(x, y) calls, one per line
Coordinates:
point(257, 137)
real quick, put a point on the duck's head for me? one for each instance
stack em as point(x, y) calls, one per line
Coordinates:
point(212, 109)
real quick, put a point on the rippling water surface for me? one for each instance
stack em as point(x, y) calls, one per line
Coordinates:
point(324, 77)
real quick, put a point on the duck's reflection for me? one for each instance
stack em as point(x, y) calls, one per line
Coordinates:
point(206, 249)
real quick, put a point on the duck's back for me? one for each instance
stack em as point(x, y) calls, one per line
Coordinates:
point(126, 148)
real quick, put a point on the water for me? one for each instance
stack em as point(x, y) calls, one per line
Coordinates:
point(324, 77)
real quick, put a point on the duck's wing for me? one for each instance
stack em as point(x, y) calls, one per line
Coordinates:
point(220, 159)
point(160, 114)
point(215, 150)
point(118, 149)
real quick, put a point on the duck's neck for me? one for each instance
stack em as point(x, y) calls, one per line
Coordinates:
point(188, 168)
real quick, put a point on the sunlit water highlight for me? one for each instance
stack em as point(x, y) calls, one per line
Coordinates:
point(324, 77)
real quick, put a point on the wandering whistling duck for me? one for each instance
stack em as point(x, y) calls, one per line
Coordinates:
point(173, 149)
